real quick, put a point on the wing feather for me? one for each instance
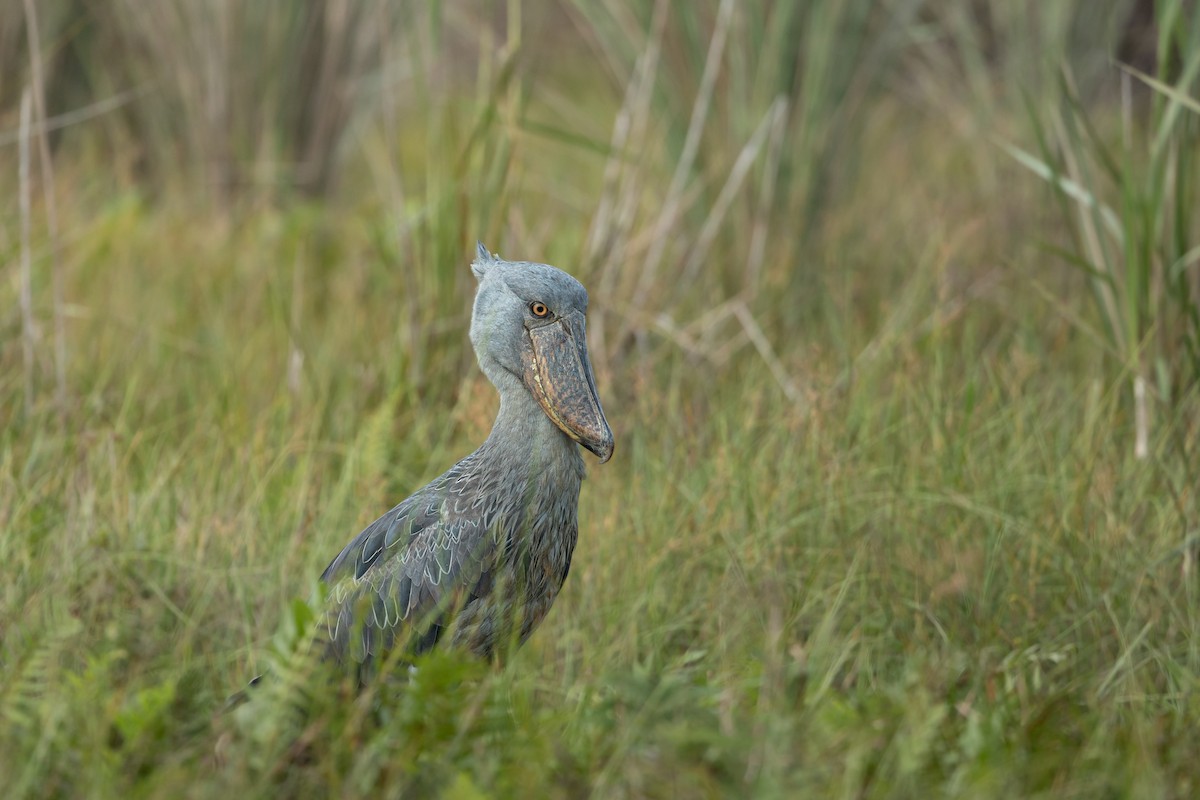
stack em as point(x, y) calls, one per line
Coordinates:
point(408, 573)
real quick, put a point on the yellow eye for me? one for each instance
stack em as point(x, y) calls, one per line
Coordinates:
point(539, 310)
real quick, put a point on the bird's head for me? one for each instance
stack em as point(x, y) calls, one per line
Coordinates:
point(529, 323)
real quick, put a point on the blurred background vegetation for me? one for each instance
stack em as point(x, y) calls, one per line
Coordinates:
point(896, 315)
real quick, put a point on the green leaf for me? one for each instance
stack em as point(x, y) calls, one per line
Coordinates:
point(1067, 186)
point(146, 712)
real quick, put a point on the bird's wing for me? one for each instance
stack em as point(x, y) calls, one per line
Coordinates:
point(408, 571)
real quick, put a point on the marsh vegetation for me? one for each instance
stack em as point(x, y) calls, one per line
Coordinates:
point(894, 315)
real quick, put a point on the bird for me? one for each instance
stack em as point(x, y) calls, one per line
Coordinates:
point(476, 558)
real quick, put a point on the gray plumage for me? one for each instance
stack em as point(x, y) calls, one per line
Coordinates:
point(478, 556)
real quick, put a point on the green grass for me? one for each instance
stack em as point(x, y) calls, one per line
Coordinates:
point(1129, 211)
point(874, 526)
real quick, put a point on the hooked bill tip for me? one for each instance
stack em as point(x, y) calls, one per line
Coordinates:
point(602, 450)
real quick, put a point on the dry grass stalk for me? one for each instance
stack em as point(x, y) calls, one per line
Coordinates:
point(733, 184)
point(766, 201)
point(47, 172)
point(763, 346)
point(28, 329)
point(78, 115)
point(687, 157)
point(619, 197)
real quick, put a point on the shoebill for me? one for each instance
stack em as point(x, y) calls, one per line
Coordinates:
point(476, 558)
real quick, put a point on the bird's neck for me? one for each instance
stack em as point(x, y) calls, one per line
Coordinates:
point(523, 439)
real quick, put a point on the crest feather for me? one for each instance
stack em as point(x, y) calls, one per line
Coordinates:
point(483, 260)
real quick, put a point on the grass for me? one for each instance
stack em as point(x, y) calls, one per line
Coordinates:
point(873, 527)
point(1137, 257)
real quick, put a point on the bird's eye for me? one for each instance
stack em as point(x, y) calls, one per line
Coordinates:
point(539, 310)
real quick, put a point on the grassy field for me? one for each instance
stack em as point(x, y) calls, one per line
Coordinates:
point(906, 493)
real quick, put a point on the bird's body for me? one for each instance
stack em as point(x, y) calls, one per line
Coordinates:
point(486, 544)
point(478, 556)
